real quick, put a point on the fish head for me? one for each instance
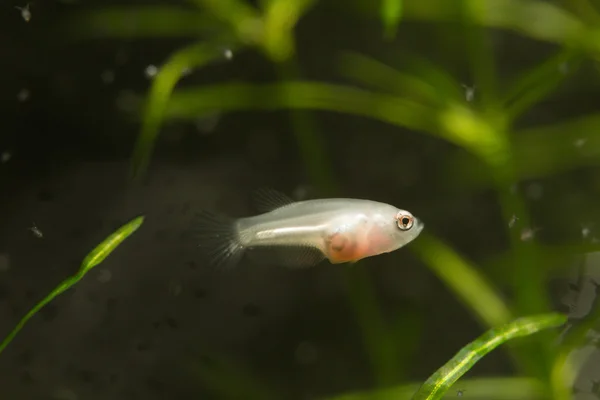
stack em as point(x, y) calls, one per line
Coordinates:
point(370, 231)
point(392, 229)
point(407, 227)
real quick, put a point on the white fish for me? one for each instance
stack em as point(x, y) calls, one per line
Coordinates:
point(304, 233)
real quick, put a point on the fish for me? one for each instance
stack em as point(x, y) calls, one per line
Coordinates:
point(301, 234)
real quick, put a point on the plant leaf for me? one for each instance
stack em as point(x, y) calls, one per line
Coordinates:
point(240, 16)
point(492, 388)
point(463, 279)
point(538, 82)
point(456, 124)
point(94, 258)
point(169, 74)
point(553, 24)
point(109, 244)
point(139, 22)
point(391, 14)
point(280, 18)
point(441, 381)
point(432, 85)
point(537, 153)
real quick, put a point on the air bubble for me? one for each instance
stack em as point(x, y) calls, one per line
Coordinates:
point(306, 353)
point(563, 68)
point(5, 157)
point(4, 262)
point(107, 76)
point(207, 124)
point(535, 191)
point(528, 234)
point(23, 95)
point(301, 192)
point(104, 276)
point(64, 394)
point(586, 231)
point(469, 92)
point(175, 288)
point(151, 71)
point(128, 101)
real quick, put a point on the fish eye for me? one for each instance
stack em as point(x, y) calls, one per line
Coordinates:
point(405, 220)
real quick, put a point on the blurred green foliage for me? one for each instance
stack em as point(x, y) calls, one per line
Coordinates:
point(391, 12)
point(418, 95)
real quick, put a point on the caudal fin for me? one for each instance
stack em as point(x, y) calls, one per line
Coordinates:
point(218, 239)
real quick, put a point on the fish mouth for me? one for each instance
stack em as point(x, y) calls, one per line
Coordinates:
point(420, 225)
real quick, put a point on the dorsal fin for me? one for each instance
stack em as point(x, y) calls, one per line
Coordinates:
point(267, 199)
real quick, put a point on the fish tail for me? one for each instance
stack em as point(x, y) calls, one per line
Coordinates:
point(218, 237)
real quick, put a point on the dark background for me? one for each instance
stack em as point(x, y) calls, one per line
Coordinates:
point(132, 326)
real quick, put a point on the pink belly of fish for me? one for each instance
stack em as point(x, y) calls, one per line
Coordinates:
point(343, 248)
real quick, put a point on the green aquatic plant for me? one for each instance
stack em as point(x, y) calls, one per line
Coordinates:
point(391, 13)
point(491, 388)
point(444, 378)
point(94, 257)
point(441, 381)
point(415, 94)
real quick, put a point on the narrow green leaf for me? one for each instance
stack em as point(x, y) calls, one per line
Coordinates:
point(380, 339)
point(555, 259)
point(538, 82)
point(189, 102)
point(538, 152)
point(391, 14)
point(309, 139)
point(139, 22)
point(463, 279)
point(431, 85)
point(475, 291)
point(493, 388)
point(441, 381)
point(169, 74)
point(95, 257)
point(280, 18)
point(480, 54)
point(553, 24)
point(457, 123)
point(109, 244)
point(239, 15)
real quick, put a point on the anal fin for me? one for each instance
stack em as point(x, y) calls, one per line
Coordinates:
point(300, 256)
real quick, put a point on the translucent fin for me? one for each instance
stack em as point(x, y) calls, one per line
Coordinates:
point(266, 199)
point(286, 256)
point(218, 239)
